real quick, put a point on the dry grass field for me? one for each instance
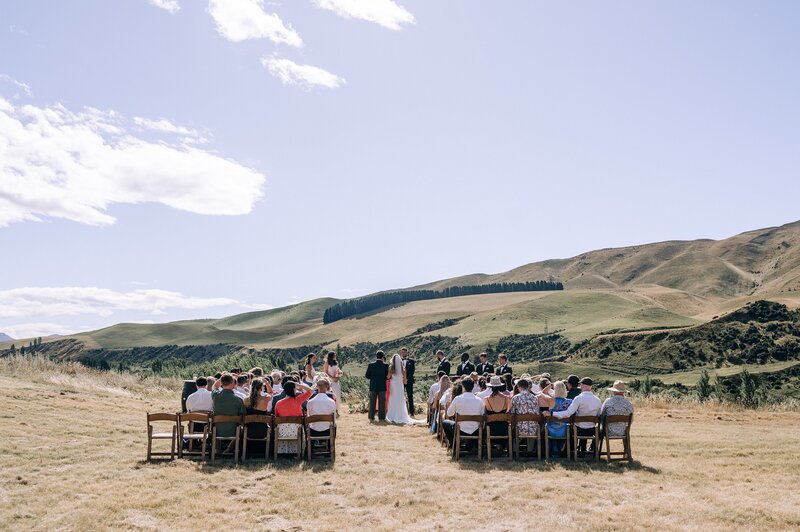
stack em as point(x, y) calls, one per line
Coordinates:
point(74, 442)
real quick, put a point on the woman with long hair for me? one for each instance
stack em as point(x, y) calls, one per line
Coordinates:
point(256, 404)
point(334, 372)
point(444, 387)
point(311, 359)
point(396, 406)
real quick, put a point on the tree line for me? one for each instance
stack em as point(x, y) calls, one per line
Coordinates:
point(360, 305)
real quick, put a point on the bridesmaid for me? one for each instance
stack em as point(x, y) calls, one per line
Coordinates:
point(311, 359)
point(331, 368)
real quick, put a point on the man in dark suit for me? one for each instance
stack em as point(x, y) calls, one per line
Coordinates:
point(377, 373)
point(444, 365)
point(466, 367)
point(484, 367)
point(503, 366)
point(409, 365)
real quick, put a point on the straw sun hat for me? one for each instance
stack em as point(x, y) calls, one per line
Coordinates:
point(618, 387)
point(495, 382)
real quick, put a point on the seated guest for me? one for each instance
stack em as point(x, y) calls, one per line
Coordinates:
point(433, 391)
point(509, 381)
point(241, 383)
point(210, 383)
point(290, 406)
point(503, 366)
point(466, 367)
point(558, 429)
point(440, 398)
point(257, 372)
point(483, 391)
point(277, 385)
point(484, 366)
point(573, 387)
point(258, 400)
point(200, 401)
point(586, 404)
point(465, 404)
point(321, 404)
point(616, 405)
point(476, 379)
point(277, 397)
point(546, 401)
point(497, 403)
point(226, 403)
point(525, 403)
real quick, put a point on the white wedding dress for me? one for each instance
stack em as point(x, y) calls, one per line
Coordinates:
point(397, 410)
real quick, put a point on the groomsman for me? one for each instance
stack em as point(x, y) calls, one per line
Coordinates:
point(503, 367)
point(484, 366)
point(409, 365)
point(444, 365)
point(377, 373)
point(466, 367)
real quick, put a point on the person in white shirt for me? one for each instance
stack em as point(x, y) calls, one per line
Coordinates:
point(466, 404)
point(585, 404)
point(321, 404)
point(241, 391)
point(200, 401)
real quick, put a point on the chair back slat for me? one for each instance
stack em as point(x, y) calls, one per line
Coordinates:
point(461, 418)
point(320, 418)
point(279, 420)
point(528, 417)
point(583, 419)
point(493, 418)
point(162, 416)
point(198, 417)
point(257, 418)
point(618, 419)
point(227, 419)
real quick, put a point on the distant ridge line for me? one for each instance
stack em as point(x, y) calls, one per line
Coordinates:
point(360, 305)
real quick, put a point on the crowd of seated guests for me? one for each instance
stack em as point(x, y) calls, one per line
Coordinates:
point(474, 394)
point(236, 393)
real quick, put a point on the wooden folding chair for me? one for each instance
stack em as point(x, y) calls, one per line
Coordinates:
point(594, 438)
point(442, 413)
point(429, 418)
point(298, 439)
point(152, 435)
point(232, 440)
point(192, 436)
point(547, 437)
point(253, 419)
point(519, 435)
point(330, 440)
point(496, 418)
point(457, 436)
point(626, 438)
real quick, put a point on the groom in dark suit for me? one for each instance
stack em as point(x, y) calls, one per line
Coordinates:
point(409, 365)
point(484, 367)
point(444, 365)
point(377, 373)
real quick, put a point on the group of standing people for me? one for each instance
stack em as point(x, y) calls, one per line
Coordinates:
point(391, 385)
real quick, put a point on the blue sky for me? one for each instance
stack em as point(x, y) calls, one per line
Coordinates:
point(182, 159)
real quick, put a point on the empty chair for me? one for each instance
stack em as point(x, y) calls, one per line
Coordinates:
point(594, 438)
point(197, 431)
point(256, 432)
point(328, 440)
point(220, 424)
point(171, 434)
point(621, 431)
point(459, 438)
point(527, 427)
point(288, 435)
point(493, 422)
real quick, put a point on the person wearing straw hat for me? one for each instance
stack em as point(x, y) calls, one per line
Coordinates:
point(616, 405)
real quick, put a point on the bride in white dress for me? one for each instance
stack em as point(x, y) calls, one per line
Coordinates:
point(397, 411)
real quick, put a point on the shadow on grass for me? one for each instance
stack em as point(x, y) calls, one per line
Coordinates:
point(506, 464)
point(255, 464)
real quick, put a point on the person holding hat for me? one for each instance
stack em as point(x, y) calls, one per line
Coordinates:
point(573, 387)
point(616, 405)
point(585, 404)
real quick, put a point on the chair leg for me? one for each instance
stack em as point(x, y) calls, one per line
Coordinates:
point(149, 442)
point(509, 443)
point(236, 449)
point(172, 446)
point(244, 445)
point(213, 445)
point(203, 447)
point(308, 447)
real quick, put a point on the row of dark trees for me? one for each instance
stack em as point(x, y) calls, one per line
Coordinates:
point(33, 347)
point(360, 305)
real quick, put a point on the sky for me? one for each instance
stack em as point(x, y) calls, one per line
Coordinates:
point(178, 159)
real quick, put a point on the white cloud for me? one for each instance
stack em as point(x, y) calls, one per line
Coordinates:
point(165, 126)
point(306, 76)
point(73, 300)
point(33, 330)
point(73, 165)
point(168, 5)
point(18, 84)
point(239, 20)
point(386, 13)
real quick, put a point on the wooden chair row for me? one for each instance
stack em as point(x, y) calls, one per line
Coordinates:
point(184, 427)
point(515, 439)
